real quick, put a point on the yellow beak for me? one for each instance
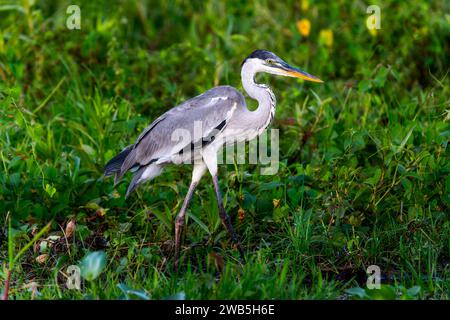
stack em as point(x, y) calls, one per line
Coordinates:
point(303, 75)
point(290, 71)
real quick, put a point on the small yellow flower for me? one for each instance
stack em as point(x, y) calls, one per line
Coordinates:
point(326, 37)
point(115, 194)
point(373, 32)
point(276, 203)
point(304, 27)
point(305, 5)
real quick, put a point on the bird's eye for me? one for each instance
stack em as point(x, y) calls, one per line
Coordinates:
point(269, 61)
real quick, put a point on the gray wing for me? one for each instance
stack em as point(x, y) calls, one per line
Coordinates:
point(212, 109)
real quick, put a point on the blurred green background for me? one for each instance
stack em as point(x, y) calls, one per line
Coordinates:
point(364, 158)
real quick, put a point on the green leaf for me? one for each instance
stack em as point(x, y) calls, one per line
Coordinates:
point(380, 79)
point(413, 291)
point(375, 177)
point(177, 296)
point(92, 265)
point(398, 149)
point(357, 291)
point(50, 189)
point(386, 292)
point(10, 242)
point(364, 85)
point(9, 7)
point(270, 186)
point(199, 222)
point(129, 293)
point(162, 217)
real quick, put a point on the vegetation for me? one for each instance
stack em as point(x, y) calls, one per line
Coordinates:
point(364, 158)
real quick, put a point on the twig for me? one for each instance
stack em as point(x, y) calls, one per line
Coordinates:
point(7, 281)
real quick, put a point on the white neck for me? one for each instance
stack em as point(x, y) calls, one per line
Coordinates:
point(263, 115)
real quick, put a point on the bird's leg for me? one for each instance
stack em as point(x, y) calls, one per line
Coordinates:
point(226, 221)
point(179, 222)
point(197, 172)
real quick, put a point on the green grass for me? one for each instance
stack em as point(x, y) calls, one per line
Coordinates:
point(364, 158)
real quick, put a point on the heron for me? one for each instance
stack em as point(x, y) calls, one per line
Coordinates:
point(223, 115)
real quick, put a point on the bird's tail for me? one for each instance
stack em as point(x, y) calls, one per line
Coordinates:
point(143, 174)
point(136, 181)
point(114, 165)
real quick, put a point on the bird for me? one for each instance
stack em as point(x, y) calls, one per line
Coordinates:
point(207, 122)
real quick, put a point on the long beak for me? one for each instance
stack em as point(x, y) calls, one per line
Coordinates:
point(290, 71)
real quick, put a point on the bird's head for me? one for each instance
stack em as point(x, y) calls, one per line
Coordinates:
point(266, 61)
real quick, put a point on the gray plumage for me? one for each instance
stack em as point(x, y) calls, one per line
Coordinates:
point(155, 146)
point(207, 122)
point(218, 110)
